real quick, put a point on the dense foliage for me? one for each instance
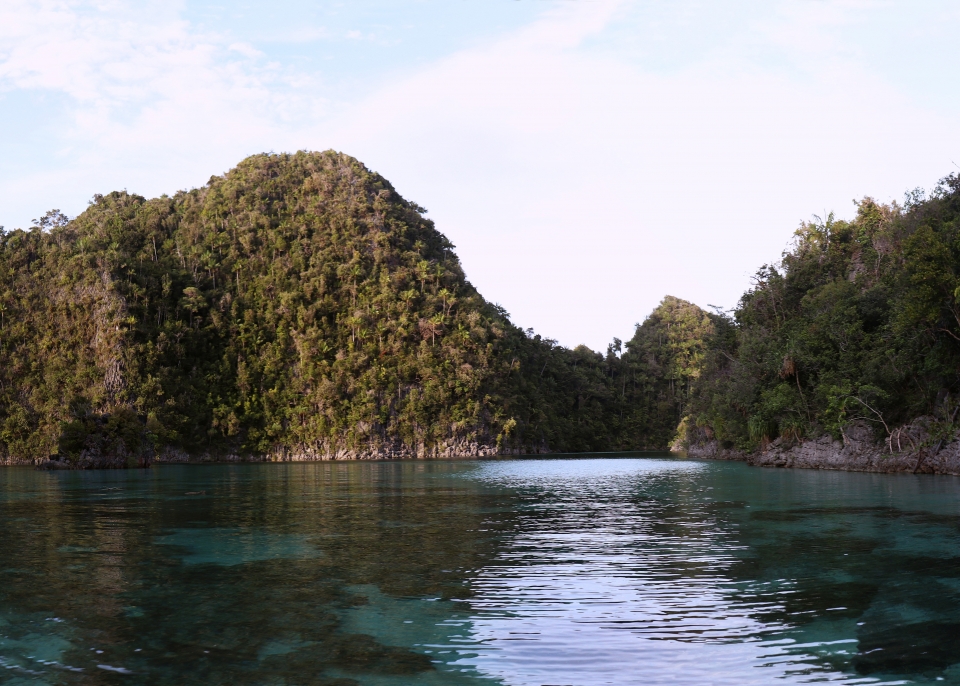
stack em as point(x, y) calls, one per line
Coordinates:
point(298, 304)
point(859, 322)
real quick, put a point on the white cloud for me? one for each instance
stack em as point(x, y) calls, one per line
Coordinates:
point(246, 50)
point(152, 104)
point(581, 188)
point(580, 183)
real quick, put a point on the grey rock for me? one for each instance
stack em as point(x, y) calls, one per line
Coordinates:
point(857, 452)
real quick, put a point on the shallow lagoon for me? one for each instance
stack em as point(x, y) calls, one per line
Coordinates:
point(597, 570)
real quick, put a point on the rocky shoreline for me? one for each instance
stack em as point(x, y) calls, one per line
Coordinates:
point(857, 452)
point(454, 449)
point(306, 453)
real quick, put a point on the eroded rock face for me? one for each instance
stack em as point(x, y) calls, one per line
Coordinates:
point(858, 452)
point(452, 449)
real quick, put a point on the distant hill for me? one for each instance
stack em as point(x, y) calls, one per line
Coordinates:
point(298, 308)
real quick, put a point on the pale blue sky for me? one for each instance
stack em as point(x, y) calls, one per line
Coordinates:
point(587, 157)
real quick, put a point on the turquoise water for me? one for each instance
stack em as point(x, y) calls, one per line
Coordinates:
point(629, 570)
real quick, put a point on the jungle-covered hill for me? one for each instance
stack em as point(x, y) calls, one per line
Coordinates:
point(859, 322)
point(298, 307)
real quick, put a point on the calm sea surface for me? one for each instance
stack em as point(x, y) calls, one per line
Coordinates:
point(598, 570)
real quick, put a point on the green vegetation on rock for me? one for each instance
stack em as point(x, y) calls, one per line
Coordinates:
point(860, 322)
point(299, 307)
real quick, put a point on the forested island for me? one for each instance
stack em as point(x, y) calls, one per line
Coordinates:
point(298, 308)
point(847, 353)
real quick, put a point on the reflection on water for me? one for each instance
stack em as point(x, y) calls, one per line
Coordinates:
point(628, 570)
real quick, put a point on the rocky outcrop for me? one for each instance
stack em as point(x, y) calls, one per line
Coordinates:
point(857, 452)
point(448, 450)
point(16, 461)
point(118, 458)
point(452, 449)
